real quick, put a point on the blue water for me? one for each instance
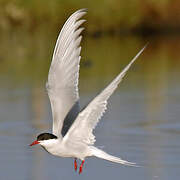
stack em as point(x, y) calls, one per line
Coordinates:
point(141, 124)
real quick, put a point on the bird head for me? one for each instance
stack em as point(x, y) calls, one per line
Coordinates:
point(44, 139)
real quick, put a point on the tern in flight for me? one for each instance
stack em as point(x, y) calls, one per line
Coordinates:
point(72, 131)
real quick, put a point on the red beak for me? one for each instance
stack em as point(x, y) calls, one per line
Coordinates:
point(34, 143)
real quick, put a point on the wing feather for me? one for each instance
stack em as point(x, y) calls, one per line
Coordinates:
point(82, 128)
point(62, 85)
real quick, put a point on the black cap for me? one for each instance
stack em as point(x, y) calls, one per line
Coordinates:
point(46, 136)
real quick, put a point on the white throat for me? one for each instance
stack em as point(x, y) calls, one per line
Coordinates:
point(49, 143)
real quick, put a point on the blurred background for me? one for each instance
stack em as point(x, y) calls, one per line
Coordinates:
point(142, 121)
point(104, 17)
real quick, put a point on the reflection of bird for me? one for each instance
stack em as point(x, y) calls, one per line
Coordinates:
point(73, 130)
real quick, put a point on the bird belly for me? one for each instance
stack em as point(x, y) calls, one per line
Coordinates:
point(69, 149)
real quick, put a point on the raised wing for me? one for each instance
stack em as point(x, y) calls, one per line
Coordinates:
point(82, 128)
point(62, 85)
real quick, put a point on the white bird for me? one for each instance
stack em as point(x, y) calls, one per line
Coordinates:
point(72, 131)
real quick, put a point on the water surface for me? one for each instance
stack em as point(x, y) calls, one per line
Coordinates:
point(141, 124)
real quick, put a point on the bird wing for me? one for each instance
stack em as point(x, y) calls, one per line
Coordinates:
point(82, 128)
point(62, 84)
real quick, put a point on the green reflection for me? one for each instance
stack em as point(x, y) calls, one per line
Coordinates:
point(25, 59)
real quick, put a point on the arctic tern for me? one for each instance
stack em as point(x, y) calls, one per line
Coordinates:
point(72, 131)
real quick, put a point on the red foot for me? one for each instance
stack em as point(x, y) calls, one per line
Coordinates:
point(75, 164)
point(81, 167)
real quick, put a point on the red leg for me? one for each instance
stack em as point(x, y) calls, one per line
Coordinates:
point(75, 164)
point(81, 167)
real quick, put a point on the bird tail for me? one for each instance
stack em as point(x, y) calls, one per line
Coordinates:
point(103, 155)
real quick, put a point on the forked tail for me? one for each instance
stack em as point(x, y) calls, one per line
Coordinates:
point(103, 155)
